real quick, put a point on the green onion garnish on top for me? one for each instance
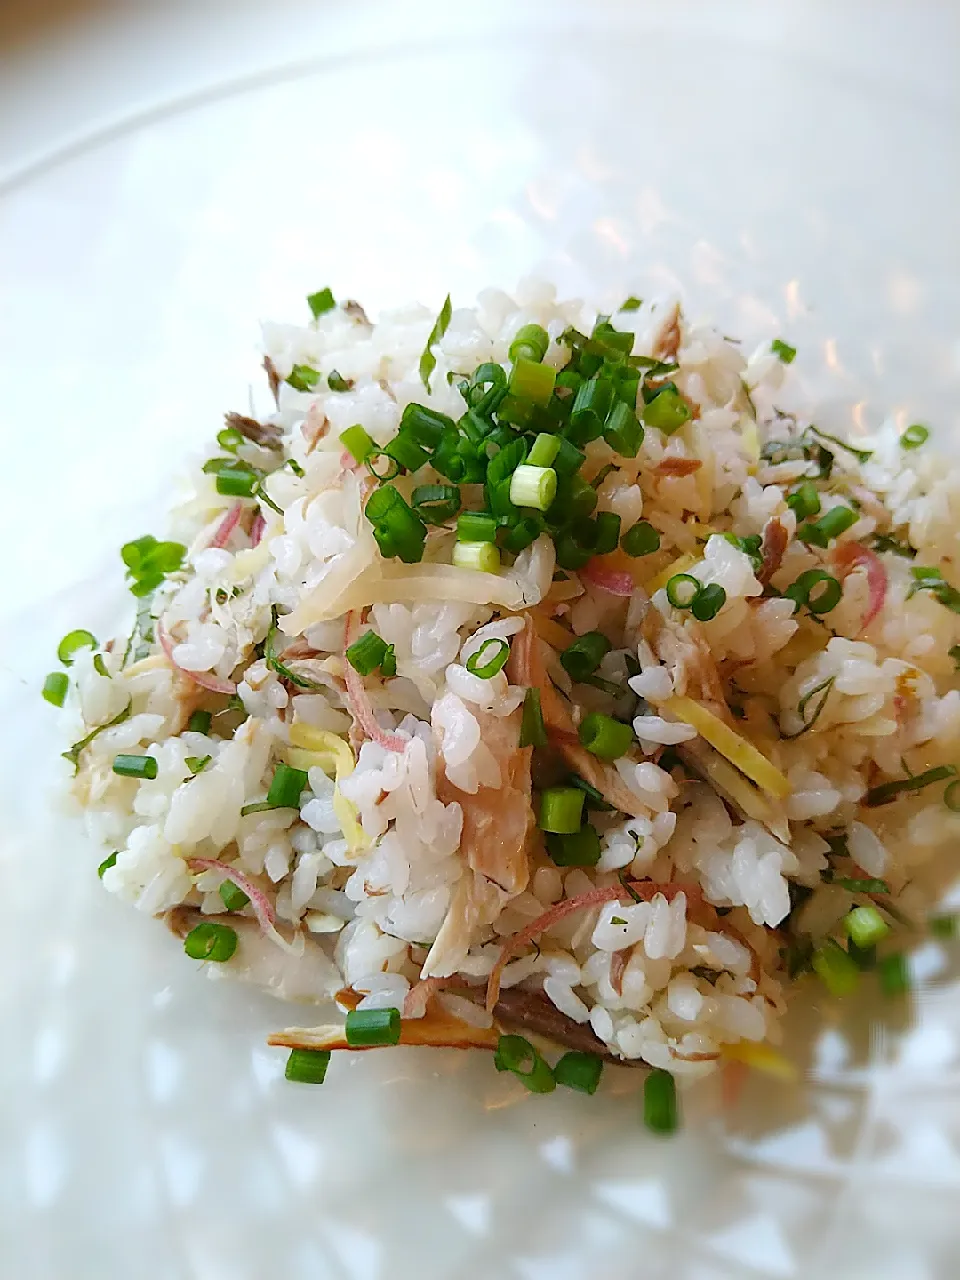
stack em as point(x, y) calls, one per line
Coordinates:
point(561, 810)
point(581, 1071)
point(660, 1102)
point(865, 926)
point(210, 941)
point(783, 351)
point(893, 974)
point(482, 556)
point(366, 654)
point(371, 1028)
point(428, 361)
point(545, 449)
point(805, 500)
point(358, 443)
point(667, 411)
point(285, 787)
point(148, 562)
point(73, 755)
point(576, 848)
point(517, 1055)
point(708, 602)
point(682, 590)
point(532, 381)
point(605, 737)
point(816, 589)
point(838, 971)
point(197, 764)
point(234, 482)
point(914, 436)
point(321, 302)
point(72, 643)
point(830, 525)
point(487, 665)
point(307, 1066)
point(200, 722)
point(622, 430)
point(232, 896)
point(534, 487)
point(55, 688)
point(131, 766)
point(533, 732)
point(641, 539)
point(303, 378)
point(107, 863)
point(436, 503)
point(582, 658)
point(230, 439)
point(888, 791)
point(476, 526)
point(530, 343)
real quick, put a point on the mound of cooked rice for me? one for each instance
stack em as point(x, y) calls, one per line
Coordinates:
point(524, 670)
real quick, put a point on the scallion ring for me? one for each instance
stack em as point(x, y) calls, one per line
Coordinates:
point(209, 941)
point(372, 1028)
point(436, 503)
point(816, 589)
point(391, 468)
point(914, 436)
point(72, 643)
point(486, 670)
point(518, 1056)
point(682, 590)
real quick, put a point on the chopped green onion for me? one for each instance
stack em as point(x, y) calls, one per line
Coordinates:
point(483, 556)
point(273, 662)
point(786, 353)
point(382, 471)
point(828, 591)
point(303, 378)
point(533, 733)
point(73, 755)
point(428, 361)
point(805, 500)
point(230, 439)
point(894, 975)
point(129, 766)
point(425, 425)
point(622, 430)
point(861, 455)
point(569, 458)
point(486, 388)
point(107, 863)
point(199, 722)
point(577, 849)
point(236, 483)
point(372, 1028)
point(605, 737)
point(533, 381)
point(943, 927)
point(914, 436)
point(830, 525)
point(591, 406)
point(823, 689)
point(285, 787)
point(398, 529)
point(197, 764)
point(72, 643)
point(929, 579)
point(667, 411)
point(336, 381)
point(209, 941)
point(475, 526)
point(358, 443)
point(486, 670)
point(436, 503)
point(866, 926)
point(530, 343)
point(405, 450)
point(561, 809)
point(533, 487)
point(523, 533)
point(660, 1102)
point(148, 562)
point(586, 653)
point(321, 302)
point(838, 972)
point(852, 884)
point(55, 688)
point(581, 1071)
point(232, 896)
point(517, 1055)
point(631, 304)
point(307, 1066)
point(607, 532)
point(641, 539)
point(708, 602)
point(545, 449)
point(682, 590)
point(366, 654)
point(888, 791)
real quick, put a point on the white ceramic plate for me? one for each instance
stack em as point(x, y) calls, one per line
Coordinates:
point(175, 174)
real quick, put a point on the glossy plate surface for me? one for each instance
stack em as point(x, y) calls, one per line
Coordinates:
point(167, 178)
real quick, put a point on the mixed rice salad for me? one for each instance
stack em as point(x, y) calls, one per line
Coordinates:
point(534, 681)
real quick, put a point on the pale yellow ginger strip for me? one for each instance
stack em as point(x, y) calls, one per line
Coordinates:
point(741, 753)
